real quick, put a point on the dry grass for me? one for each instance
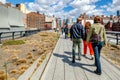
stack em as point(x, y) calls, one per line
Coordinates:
point(112, 53)
point(21, 56)
point(2, 75)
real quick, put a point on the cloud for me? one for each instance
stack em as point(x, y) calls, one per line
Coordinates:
point(112, 7)
point(85, 6)
point(3, 1)
point(56, 7)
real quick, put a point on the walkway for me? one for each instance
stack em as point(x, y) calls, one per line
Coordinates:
point(60, 66)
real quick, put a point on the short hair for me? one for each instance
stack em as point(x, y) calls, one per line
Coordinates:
point(97, 19)
point(87, 24)
point(79, 19)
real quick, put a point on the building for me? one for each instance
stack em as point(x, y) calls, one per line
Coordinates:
point(35, 21)
point(22, 7)
point(50, 22)
point(11, 18)
point(118, 13)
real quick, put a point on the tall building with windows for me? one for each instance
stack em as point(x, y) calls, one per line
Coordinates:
point(35, 20)
point(118, 13)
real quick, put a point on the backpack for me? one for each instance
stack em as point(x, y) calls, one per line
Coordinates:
point(95, 38)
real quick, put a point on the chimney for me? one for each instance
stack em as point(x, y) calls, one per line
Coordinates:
point(8, 4)
point(18, 6)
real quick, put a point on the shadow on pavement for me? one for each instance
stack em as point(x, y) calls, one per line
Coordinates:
point(67, 59)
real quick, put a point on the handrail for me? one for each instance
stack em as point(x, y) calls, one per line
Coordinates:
point(116, 35)
point(22, 33)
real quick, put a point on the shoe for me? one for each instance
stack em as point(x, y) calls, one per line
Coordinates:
point(92, 58)
point(84, 55)
point(73, 61)
point(79, 59)
point(97, 73)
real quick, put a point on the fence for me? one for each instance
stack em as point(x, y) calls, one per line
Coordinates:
point(15, 34)
point(113, 35)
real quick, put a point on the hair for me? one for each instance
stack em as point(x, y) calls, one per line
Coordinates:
point(79, 19)
point(118, 19)
point(97, 19)
point(87, 24)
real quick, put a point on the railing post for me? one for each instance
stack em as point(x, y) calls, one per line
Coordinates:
point(26, 33)
point(13, 35)
point(20, 33)
point(0, 38)
point(116, 38)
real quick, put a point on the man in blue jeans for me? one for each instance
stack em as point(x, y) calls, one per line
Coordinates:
point(77, 32)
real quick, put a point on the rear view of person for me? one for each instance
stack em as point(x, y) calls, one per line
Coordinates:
point(77, 32)
point(89, 45)
point(66, 32)
point(97, 28)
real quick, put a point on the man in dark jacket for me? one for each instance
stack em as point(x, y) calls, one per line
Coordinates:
point(77, 33)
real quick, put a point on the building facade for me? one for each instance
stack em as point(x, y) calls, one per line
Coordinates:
point(118, 13)
point(35, 20)
point(51, 22)
point(11, 18)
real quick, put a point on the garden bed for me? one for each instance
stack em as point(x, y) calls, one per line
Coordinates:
point(18, 55)
point(112, 54)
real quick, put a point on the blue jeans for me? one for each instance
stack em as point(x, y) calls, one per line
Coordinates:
point(97, 50)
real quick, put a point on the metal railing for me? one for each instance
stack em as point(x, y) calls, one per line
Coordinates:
point(14, 34)
point(113, 35)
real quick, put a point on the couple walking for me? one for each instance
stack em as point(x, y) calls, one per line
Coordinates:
point(78, 33)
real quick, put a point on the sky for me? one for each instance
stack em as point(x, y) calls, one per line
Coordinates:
point(70, 8)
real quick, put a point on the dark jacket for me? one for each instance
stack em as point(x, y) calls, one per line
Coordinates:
point(77, 31)
point(66, 30)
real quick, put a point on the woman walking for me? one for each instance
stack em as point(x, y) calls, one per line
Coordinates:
point(97, 28)
point(89, 45)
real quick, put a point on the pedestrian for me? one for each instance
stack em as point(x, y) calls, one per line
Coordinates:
point(62, 30)
point(77, 32)
point(97, 28)
point(89, 45)
point(66, 32)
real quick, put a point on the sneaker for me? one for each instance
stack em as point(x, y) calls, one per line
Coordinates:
point(92, 58)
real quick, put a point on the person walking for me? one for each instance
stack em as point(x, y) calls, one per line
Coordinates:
point(77, 32)
point(62, 30)
point(66, 32)
point(89, 45)
point(97, 28)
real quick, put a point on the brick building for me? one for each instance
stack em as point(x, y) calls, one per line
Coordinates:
point(35, 20)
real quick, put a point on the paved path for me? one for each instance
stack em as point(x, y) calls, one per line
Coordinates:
point(60, 66)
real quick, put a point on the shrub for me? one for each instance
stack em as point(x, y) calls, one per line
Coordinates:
point(14, 42)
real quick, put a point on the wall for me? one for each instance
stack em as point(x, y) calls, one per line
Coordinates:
point(11, 19)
